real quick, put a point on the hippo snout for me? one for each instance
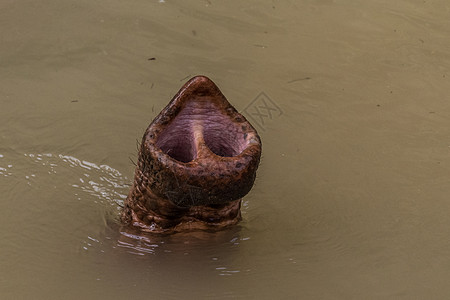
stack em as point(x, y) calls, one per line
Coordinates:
point(197, 159)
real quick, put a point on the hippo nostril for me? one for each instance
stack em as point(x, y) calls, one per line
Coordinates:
point(220, 147)
point(224, 138)
point(179, 152)
point(179, 147)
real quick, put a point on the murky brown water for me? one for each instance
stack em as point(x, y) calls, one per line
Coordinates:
point(352, 196)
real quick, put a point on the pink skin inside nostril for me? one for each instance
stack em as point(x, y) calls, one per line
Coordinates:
point(201, 123)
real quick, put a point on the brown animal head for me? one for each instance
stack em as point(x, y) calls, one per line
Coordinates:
point(197, 159)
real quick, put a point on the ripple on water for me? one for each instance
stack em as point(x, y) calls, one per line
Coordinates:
point(62, 189)
point(73, 191)
point(5, 170)
point(101, 181)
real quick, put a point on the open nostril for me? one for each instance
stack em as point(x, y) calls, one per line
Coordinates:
point(220, 146)
point(224, 138)
point(177, 144)
point(178, 151)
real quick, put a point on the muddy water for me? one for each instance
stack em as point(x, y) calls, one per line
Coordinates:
point(351, 99)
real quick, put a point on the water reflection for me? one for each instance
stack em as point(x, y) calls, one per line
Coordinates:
point(213, 250)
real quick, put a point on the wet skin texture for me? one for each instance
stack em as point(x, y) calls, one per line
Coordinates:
point(197, 159)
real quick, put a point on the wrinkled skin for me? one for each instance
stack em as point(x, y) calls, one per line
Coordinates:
point(197, 159)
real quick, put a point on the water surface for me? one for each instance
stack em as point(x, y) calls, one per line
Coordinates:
point(351, 198)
